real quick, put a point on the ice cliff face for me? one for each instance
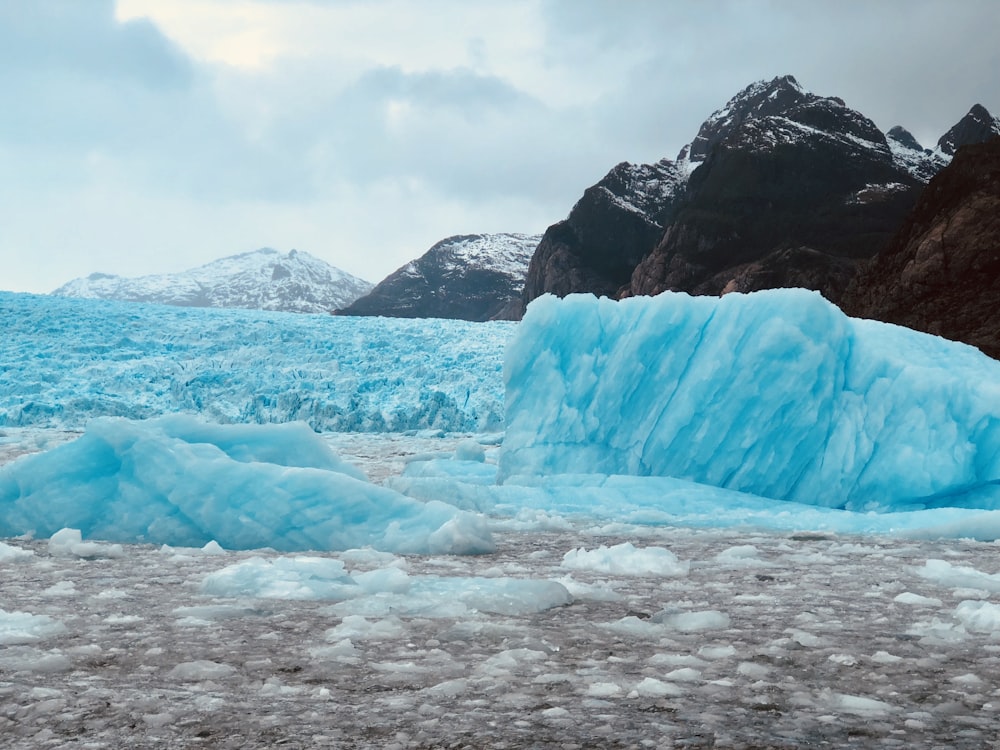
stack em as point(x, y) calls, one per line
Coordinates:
point(264, 279)
point(780, 187)
point(777, 394)
point(468, 277)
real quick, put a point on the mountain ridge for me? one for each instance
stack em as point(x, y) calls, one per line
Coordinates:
point(474, 277)
point(779, 187)
point(263, 279)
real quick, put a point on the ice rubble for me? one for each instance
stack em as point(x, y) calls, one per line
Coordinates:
point(179, 481)
point(775, 393)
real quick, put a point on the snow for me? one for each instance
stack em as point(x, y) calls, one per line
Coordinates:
point(264, 279)
point(614, 610)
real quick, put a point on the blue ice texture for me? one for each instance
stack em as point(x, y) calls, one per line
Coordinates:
point(176, 480)
point(767, 411)
point(777, 394)
point(64, 361)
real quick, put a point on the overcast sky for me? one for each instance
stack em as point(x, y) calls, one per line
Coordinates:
point(151, 136)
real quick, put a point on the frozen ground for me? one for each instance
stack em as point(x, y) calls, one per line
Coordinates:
point(723, 639)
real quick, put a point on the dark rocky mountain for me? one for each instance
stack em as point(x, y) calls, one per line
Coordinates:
point(610, 229)
point(941, 271)
point(264, 279)
point(779, 188)
point(976, 127)
point(470, 277)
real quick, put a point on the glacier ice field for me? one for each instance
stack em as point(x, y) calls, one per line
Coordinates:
point(769, 410)
point(667, 522)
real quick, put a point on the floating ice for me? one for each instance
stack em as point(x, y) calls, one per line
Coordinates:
point(383, 592)
point(177, 481)
point(775, 393)
point(23, 627)
point(626, 559)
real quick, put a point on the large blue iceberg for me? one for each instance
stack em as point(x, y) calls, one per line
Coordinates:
point(776, 393)
point(179, 481)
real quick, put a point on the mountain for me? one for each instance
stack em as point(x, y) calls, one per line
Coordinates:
point(941, 271)
point(264, 279)
point(467, 277)
point(781, 187)
point(976, 127)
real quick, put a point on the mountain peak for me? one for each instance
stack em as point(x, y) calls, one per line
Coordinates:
point(904, 137)
point(264, 279)
point(768, 112)
point(977, 126)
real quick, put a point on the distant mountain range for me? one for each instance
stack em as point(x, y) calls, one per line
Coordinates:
point(779, 188)
point(469, 277)
point(264, 279)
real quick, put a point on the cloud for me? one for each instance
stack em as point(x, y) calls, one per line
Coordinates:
point(157, 132)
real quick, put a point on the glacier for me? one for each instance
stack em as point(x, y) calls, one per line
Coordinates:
point(175, 480)
point(65, 361)
point(777, 394)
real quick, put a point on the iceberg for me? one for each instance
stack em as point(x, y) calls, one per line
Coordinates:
point(176, 480)
point(777, 394)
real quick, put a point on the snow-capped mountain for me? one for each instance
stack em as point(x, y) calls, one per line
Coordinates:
point(780, 187)
point(466, 277)
point(940, 273)
point(264, 279)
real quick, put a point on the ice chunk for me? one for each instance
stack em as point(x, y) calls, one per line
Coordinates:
point(180, 482)
point(775, 393)
point(9, 553)
point(979, 617)
point(23, 627)
point(69, 543)
point(384, 591)
point(626, 559)
point(200, 671)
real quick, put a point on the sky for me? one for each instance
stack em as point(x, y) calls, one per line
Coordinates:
point(145, 136)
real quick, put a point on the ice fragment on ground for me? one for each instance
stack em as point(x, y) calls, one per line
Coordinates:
point(979, 616)
point(10, 553)
point(69, 543)
point(916, 600)
point(626, 559)
point(23, 627)
point(200, 671)
point(944, 573)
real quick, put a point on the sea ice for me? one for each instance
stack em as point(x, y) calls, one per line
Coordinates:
point(177, 481)
point(774, 393)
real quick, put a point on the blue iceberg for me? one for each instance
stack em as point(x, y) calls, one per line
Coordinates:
point(178, 481)
point(777, 394)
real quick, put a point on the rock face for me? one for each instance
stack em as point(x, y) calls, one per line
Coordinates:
point(976, 127)
point(264, 279)
point(468, 277)
point(779, 188)
point(941, 271)
point(609, 230)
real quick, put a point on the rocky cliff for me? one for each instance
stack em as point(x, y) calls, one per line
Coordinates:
point(468, 277)
point(781, 187)
point(941, 271)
